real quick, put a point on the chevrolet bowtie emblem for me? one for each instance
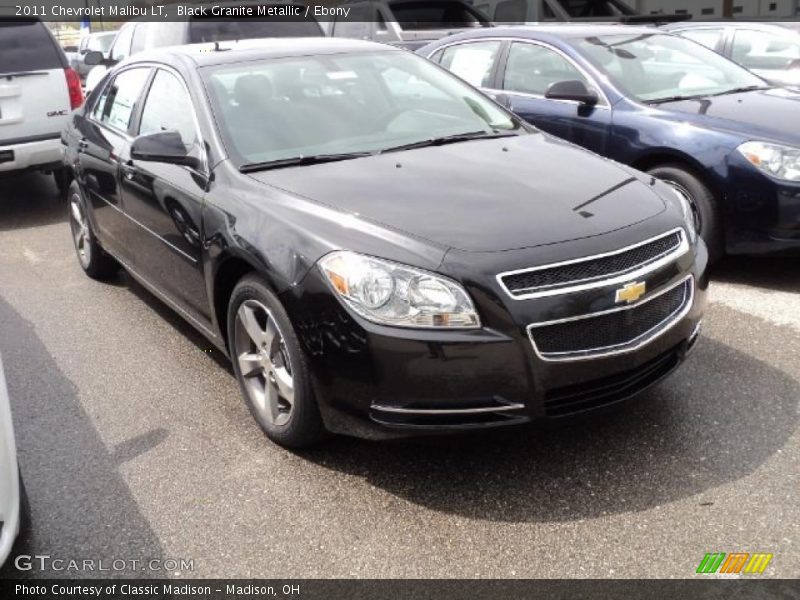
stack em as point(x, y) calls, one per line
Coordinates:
point(631, 292)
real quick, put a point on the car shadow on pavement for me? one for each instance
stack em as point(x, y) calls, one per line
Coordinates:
point(29, 200)
point(779, 274)
point(81, 506)
point(703, 428)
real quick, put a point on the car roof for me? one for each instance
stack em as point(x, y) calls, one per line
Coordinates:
point(727, 23)
point(567, 30)
point(220, 53)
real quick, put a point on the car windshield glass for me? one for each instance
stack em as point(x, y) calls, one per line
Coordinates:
point(345, 104)
point(659, 67)
point(102, 43)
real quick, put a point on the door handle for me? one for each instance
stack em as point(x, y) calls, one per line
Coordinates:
point(83, 145)
point(128, 169)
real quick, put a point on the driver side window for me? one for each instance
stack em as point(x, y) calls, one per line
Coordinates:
point(532, 69)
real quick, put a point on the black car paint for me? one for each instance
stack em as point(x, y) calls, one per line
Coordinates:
point(279, 223)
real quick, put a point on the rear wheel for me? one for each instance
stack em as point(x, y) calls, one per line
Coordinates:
point(271, 367)
point(93, 260)
point(704, 205)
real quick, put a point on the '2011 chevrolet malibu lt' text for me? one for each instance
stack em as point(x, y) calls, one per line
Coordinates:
point(380, 248)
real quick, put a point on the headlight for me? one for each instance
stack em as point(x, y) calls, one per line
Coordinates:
point(392, 294)
point(687, 210)
point(782, 162)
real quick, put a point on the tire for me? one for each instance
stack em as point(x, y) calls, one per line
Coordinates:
point(92, 258)
point(708, 218)
point(271, 367)
point(61, 178)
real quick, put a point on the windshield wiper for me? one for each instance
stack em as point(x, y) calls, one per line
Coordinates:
point(676, 98)
point(747, 88)
point(298, 161)
point(450, 139)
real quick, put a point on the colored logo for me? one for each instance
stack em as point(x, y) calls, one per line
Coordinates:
point(631, 292)
point(736, 562)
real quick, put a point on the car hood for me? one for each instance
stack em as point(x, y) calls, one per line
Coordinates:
point(481, 196)
point(764, 114)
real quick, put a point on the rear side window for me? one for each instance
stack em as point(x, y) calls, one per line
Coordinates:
point(229, 30)
point(433, 14)
point(473, 62)
point(118, 102)
point(27, 46)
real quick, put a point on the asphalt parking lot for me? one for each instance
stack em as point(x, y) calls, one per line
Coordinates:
point(135, 444)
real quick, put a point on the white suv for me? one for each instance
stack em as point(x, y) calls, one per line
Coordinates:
point(38, 91)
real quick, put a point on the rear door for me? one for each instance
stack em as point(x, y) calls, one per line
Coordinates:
point(105, 139)
point(34, 97)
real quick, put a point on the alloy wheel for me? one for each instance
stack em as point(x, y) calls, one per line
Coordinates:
point(264, 363)
point(80, 231)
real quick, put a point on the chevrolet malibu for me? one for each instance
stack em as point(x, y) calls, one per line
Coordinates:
point(379, 248)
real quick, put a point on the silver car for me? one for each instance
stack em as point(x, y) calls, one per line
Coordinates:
point(10, 496)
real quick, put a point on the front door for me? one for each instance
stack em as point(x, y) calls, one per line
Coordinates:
point(530, 69)
point(164, 201)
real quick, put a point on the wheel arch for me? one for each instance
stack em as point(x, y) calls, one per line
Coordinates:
point(665, 156)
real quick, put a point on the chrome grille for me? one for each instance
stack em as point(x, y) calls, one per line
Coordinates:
point(612, 331)
point(559, 278)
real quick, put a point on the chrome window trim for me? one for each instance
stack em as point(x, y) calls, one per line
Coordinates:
point(631, 346)
point(604, 102)
point(594, 283)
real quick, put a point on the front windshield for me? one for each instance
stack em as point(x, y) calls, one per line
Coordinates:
point(280, 109)
point(102, 43)
point(657, 67)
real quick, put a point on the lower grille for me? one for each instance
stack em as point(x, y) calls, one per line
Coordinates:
point(617, 330)
point(602, 392)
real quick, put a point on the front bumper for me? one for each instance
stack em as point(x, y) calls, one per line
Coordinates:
point(762, 213)
point(9, 477)
point(380, 382)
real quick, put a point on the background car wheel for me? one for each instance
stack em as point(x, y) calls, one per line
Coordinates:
point(271, 367)
point(707, 217)
point(61, 178)
point(94, 261)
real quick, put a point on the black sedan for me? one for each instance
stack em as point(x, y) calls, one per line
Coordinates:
point(380, 248)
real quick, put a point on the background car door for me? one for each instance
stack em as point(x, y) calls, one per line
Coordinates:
point(164, 201)
point(105, 137)
point(529, 70)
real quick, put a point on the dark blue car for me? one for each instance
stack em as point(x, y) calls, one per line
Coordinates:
point(661, 103)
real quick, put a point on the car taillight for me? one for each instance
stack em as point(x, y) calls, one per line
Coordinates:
point(75, 91)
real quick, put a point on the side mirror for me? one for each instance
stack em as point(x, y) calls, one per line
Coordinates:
point(574, 90)
point(165, 147)
point(93, 57)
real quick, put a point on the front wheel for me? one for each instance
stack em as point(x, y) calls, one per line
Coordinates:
point(93, 260)
point(271, 367)
point(703, 202)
